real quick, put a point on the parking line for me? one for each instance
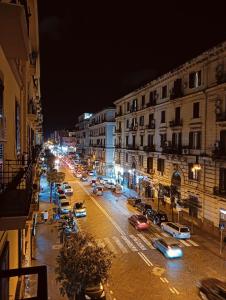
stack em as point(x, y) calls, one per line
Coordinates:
point(176, 291)
point(128, 243)
point(185, 243)
point(120, 245)
point(146, 241)
point(171, 290)
point(193, 243)
point(144, 258)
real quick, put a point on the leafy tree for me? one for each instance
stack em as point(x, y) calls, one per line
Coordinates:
point(54, 176)
point(81, 262)
point(50, 159)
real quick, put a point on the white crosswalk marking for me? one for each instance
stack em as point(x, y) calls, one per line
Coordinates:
point(193, 243)
point(138, 242)
point(128, 243)
point(147, 242)
point(110, 245)
point(120, 245)
point(185, 243)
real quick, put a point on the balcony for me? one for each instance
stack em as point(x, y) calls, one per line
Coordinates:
point(132, 147)
point(151, 125)
point(118, 130)
point(177, 91)
point(221, 117)
point(16, 186)
point(118, 146)
point(150, 148)
point(151, 103)
point(219, 153)
point(118, 114)
point(2, 129)
point(14, 37)
point(173, 149)
point(219, 192)
point(175, 123)
point(133, 128)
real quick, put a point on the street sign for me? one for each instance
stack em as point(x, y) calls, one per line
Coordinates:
point(221, 226)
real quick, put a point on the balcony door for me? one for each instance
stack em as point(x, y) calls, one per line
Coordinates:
point(223, 141)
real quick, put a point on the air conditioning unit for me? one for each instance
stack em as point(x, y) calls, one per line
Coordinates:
point(185, 151)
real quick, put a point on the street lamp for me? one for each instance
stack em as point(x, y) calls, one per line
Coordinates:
point(196, 167)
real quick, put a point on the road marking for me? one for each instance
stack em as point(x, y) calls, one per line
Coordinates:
point(100, 243)
point(162, 279)
point(193, 243)
point(185, 243)
point(138, 242)
point(144, 258)
point(146, 240)
point(166, 280)
point(129, 244)
point(120, 245)
point(110, 245)
point(176, 291)
point(158, 271)
point(165, 234)
point(103, 211)
point(171, 290)
point(57, 246)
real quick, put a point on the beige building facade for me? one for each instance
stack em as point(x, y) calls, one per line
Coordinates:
point(171, 137)
point(20, 134)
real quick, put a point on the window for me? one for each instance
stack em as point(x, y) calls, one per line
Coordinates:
point(127, 140)
point(127, 123)
point(163, 139)
point(150, 140)
point(134, 141)
point(134, 105)
point(163, 116)
point(127, 157)
point(177, 114)
point(149, 164)
point(192, 173)
point(141, 160)
point(17, 126)
point(161, 165)
point(143, 101)
point(141, 140)
point(128, 106)
point(152, 97)
point(151, 118)
point(195, 140)
point(196, 110)
point(194, 79)
point(141, 121)
point(176, 139)
point(164, 91)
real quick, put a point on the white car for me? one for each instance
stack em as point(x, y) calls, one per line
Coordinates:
point(78, 175)
point(65, 183)
point(79, 209)
point(98, 190)
point(68, 189)
point(90, 173)
point(65, 206)
point(178, 231)
point(109, 185)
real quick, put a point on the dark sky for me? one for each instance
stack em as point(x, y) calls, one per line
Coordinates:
point(93, 53)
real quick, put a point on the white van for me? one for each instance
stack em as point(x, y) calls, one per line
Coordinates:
point(176, 230)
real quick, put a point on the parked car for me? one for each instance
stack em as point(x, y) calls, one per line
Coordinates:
point(98, 190)
point(140, 222)
point(95, 291)
point(90, 173)
point(65, 183)
point(68, 190)
point(212, 289)
point(109, 185)
point(169, 248)
point(64, 206)
point(79, 209)
point(62, 197)
point(60, 191)
point(142, 207)
point(93, 182)
point(84, 178)
point(133, 201)
point(176, 230)
point(57, 185)
point(157, 217)
point(118, 189)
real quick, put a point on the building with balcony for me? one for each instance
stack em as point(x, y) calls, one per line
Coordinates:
point(101, 141)
point(20, 138)
point(171, 137)
point(82, 134)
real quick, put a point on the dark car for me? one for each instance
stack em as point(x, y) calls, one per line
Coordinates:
point(140, 222)
point(95, 291)
point(143, 207)
point(133, 201)
point(157, 217)
point(212, 289)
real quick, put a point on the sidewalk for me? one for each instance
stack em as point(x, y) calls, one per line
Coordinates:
point(209, 241)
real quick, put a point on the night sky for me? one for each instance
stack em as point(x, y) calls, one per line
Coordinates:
point(94, 53)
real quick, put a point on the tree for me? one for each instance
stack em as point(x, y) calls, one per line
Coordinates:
point(50, 159)
point(54, 176)
point(80, 262)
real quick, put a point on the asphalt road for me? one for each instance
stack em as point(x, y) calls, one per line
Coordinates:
point(139, 271)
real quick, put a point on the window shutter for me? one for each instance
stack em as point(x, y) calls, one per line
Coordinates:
point(199, 140)
point(174, 139)
point(179, 139)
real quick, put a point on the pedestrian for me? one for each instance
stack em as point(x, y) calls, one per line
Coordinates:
point(45, 216)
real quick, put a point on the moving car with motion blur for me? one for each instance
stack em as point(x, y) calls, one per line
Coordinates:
point(98, 190)
point(176, 230)
point(157, 217)
point(133, 201)
point(212, 289)
point(168, 247)
point(79, 209)
point(64, 206)
point(68, 190)
point(140, 222)
point(143, 207)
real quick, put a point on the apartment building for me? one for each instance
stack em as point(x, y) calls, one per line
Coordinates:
point(101, 141)
point(171, 137)
point(82, 134)
point(20, 137)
